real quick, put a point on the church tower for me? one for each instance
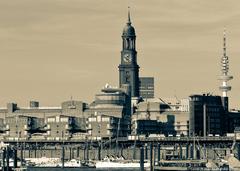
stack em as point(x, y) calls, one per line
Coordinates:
point(129, 69)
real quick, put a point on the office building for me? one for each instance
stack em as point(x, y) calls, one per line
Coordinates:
point(207, 115)
point(161, 117)
point(146, 87)
point(233, 120)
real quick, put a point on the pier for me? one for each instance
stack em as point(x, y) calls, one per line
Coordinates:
point(163, 148)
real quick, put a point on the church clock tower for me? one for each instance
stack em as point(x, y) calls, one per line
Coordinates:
point(129, 69)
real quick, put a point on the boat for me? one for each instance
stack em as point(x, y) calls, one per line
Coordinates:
point(16, 169)
point(119, 163)
point(20, 169)
point(43, 162)
point(72, 163)
point(88, 163)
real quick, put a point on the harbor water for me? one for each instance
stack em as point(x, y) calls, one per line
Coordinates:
point(76, 169)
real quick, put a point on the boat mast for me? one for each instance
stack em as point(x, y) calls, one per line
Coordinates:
point(119, 121)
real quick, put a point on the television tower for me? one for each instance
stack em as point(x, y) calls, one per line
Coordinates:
point(224, 69)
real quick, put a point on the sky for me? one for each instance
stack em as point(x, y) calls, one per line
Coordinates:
point(51, 50)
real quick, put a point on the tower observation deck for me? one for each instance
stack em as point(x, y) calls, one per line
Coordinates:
point(224, 77)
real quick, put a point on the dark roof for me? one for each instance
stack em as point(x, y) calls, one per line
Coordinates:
point(128, 30)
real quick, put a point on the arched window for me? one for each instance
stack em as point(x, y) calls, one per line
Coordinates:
point(127, 44)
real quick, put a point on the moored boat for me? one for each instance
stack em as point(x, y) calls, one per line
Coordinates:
point(43, 162)
point(119, 163)
point(72, 163)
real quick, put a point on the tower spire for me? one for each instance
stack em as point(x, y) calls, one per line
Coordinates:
point(224, 68)
point(128, 68)
point(129, 16)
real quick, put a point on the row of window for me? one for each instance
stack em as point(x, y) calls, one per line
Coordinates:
point(99, 119)
point(57, 119)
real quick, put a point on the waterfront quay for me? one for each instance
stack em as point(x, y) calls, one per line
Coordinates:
point(164, 148)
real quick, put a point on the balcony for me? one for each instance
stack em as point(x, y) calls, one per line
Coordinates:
point(68, 127)
point(27, 128)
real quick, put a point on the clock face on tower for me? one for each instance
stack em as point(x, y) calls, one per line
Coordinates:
point(127, 58)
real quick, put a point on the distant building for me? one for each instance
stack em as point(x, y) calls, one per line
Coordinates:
point(237, 134)
point(26, 122)
point(60, 127)
point(22, 127)
point(160, 117)
point(69, 108)
point(110, 113)
point(207, 114)
point(233, 120)
point(146, 87)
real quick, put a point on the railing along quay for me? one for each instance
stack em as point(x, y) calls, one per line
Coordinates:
point(126, 140)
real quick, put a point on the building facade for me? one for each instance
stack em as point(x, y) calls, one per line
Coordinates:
point(20, 127)
point(110, 113)
point(146, 87)
point(60, 127)
point(160, 117)
point(207, 115)
point(233, 120)
point(45, 122)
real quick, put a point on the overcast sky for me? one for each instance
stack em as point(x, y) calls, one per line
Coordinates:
point(51, 50)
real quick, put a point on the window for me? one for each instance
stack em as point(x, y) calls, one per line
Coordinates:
point(92, 119)
point(105, 119)
point(64, 119)
point(57, 118)
point(51, 119)
point(127, 77)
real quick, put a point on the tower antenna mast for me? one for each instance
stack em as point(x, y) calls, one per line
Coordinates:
point(224, 77)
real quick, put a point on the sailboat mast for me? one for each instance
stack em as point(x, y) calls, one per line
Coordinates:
point(119, 121)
